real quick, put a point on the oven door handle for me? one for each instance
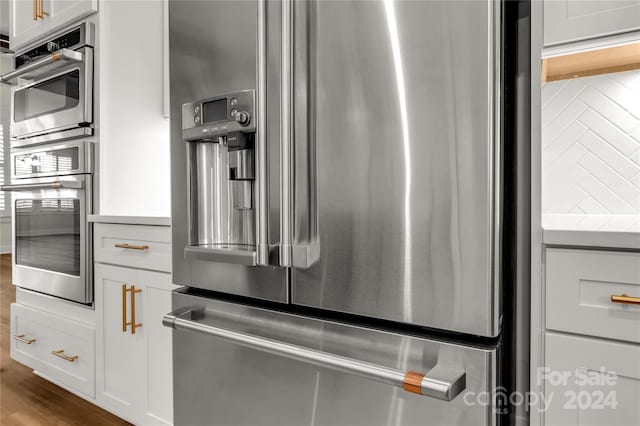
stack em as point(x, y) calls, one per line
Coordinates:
point(60, 56)
point(73, 184)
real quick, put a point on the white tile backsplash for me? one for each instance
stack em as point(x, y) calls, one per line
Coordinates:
point(591, 145)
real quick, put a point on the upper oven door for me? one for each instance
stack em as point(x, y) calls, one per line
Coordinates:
point(54, 99)
point(51, 236)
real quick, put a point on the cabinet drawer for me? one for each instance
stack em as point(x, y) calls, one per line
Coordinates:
point(591, 382)
point(57, 347)
point(579, 286)
point(138, 246)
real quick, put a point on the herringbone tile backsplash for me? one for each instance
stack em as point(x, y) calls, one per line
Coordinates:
point(591, 145)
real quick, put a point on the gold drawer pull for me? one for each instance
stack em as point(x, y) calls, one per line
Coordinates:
point(61, 354)
point(22, 339)
point(132, 247)
point(623, 298)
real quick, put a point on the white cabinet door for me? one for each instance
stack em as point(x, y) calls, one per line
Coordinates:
point(132, 124)
point(134, 370)
point(120, 377)
point(23, 28)
point(23, 24)
point(591, 382)
point(572, 20)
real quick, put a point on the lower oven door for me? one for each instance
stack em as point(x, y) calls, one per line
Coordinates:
point(241, 365)
point(51, 236)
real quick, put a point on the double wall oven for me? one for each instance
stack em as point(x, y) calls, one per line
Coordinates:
point(52, 164)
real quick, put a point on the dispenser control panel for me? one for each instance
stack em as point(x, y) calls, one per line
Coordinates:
point(210, 118)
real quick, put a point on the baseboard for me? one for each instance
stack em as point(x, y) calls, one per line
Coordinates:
point(5, 249)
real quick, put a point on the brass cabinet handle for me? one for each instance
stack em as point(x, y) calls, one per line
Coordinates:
point(626, 299)
point(124, 308)
point(134, 325)
point(133, 290)
point(130, 246)
point(42, 13)
point(60, 354)
point(22, 339)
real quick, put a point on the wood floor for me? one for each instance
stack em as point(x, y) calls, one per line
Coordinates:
point(26, 399)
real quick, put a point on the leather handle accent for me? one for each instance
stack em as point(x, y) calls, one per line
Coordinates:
point(413, 382)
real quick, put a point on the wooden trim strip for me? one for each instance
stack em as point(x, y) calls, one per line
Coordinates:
point(595, 62)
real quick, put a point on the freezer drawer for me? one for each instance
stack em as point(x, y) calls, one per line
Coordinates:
point(242, 365)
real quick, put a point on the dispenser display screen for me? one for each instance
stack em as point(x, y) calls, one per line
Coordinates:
point(214, 111)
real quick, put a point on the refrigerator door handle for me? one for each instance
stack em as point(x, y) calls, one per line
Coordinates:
point(300, 245)
point(262, 172)
point(286, 150)
point(440, 382)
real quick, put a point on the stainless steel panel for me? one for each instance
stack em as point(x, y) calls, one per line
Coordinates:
point(217, 382)
point(397, 201)
point(78, 287)
point(213, 51)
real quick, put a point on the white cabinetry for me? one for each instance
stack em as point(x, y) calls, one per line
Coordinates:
point(567, 21)
point(58, 348)
point(580, 285)
point(29, 20)
point(601, 384)
point(134, 362)
point(133, 131)
point(590, 380)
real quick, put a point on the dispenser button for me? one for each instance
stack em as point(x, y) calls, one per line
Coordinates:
point(243, 118)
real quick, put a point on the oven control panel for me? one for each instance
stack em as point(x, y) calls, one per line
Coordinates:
point(82, 35)
point(210, 118)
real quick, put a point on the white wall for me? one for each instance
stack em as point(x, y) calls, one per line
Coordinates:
point(591, 145)
point(132, 131)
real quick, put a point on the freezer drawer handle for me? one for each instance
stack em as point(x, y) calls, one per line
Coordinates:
point(441, 382)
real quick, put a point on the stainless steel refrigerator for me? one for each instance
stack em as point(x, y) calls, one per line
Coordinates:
point(347, 211)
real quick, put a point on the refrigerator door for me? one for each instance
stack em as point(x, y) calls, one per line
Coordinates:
point(213, 51)
point(223, 376)
point(397, 171)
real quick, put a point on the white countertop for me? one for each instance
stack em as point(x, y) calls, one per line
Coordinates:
point(606, 231)
point(131, 220)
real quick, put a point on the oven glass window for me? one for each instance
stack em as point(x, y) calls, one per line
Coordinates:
point(56, 94)
point(60, 160)
point(47, 233)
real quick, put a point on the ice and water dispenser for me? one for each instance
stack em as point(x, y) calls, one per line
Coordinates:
point(220, 136)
